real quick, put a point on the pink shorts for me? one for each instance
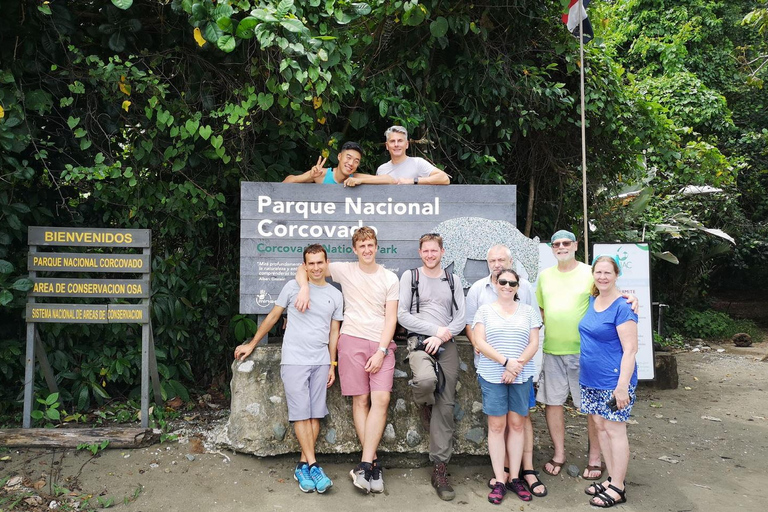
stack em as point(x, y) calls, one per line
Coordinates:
point(353, 354)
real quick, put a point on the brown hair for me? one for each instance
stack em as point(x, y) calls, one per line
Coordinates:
point(364, 233)
point(595, 292)
point(430, 237)
point(313, 249)
point(509, 271)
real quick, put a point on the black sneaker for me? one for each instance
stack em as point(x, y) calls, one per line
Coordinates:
point(440, 482)
point(361, 477)
point(377, 478)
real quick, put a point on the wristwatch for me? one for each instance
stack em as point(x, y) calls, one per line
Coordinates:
point(416, 180)
point(385, 350)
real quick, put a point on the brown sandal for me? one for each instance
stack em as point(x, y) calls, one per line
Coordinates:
point(590, 469)
point(556, 465)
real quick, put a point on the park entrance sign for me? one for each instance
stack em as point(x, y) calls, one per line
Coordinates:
point(89, 277)
point(278, 220)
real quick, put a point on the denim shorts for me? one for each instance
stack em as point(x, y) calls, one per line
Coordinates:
point(499, 399)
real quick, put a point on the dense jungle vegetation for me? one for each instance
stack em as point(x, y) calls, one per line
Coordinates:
point(149, 114)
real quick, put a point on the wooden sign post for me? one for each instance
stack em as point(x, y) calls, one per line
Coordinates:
point(90, 288)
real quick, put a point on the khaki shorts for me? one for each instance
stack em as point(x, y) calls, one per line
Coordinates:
point(559, 376)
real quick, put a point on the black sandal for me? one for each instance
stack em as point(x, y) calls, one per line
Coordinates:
point(537, 483)
point(606, 500)
point(490, 485)
point(596, 488)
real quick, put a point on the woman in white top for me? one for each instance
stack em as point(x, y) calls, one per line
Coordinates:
point(506, 333)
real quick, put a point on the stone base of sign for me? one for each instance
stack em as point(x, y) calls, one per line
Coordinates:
point(258, 422)
point(665, 368)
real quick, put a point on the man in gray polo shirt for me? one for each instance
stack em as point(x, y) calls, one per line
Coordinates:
point(308, 360)
point(408, 170)
point(433, 314)
point(483, 292)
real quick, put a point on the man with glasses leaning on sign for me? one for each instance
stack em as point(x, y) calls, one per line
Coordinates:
point(563, 293)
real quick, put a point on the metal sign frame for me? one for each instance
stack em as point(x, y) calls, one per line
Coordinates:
point(90, 288)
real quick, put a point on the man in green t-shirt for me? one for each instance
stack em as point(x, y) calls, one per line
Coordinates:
point(563, 294)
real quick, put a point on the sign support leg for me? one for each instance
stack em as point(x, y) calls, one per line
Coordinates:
point(145, 376)
point(29, 377)
point(153, 367)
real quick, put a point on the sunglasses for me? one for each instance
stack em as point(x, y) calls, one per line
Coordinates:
point(504, 282)
point(566, 243)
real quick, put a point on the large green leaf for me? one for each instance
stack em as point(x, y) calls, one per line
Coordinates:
point(245, 27)
point(226, 43)
point(6, 267)
point(22, 285)
point(292, 25)
point(117, 42)
point(122, 4)
point(439, 27)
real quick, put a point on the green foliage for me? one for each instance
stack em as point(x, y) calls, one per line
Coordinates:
point(713, 325)
point(50, 410)
point(94, 448)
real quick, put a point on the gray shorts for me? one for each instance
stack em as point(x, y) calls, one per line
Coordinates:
point(305, 390)
point(559, 375)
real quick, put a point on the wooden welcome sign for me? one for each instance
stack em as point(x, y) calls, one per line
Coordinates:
point(101, 286)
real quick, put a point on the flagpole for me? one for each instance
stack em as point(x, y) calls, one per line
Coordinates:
point(583, 137)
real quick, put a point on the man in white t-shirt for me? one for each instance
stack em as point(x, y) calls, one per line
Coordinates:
point(366, 349)
point(408, 170)
point(307, 360)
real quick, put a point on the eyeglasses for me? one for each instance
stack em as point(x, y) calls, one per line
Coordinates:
point(565, 243)
point(504, 282)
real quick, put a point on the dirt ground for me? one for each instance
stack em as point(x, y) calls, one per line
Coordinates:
point(712, 433)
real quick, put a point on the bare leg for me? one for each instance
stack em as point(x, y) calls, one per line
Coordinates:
point(306, 436)
point(594, 449)
point(556, 425)
point(361, 406)
point(515, 442)
point(497, 426)
point(374, 424)
point(615, 446)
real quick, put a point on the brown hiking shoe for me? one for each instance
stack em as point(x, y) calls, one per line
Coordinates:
point(425, 414)
point(440, 482)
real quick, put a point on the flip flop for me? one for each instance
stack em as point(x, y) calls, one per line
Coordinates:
point(555, 464)
point(590, 469)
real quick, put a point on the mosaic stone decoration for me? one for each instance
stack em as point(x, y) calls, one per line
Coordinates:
point(467, 238)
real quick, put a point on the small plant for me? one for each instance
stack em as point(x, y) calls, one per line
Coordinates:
point(94, 448)
point(105, 502)
point(50, 411)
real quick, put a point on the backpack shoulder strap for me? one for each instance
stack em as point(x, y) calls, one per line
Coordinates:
point(449, 278)
point(415, 288)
